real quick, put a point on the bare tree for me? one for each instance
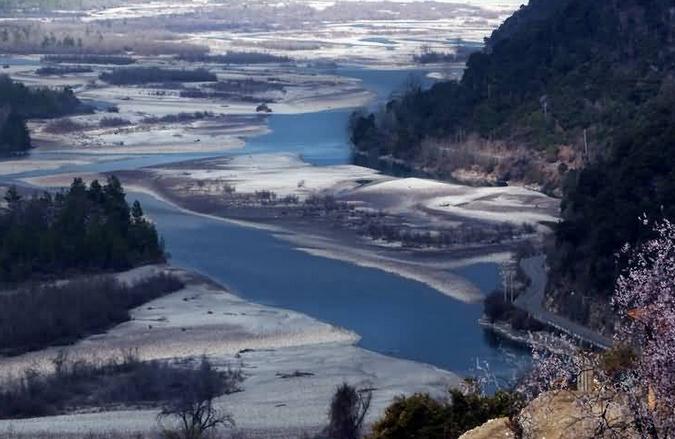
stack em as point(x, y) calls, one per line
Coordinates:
point(194, 410)
point(347, 412)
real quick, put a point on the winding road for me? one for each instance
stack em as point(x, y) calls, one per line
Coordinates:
point(532, 301)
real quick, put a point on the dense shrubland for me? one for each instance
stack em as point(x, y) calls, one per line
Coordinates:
point(590, 80)
point(88, 58)
point(372, 225)
point(422, 416)
point(63, 125)
point(231, 57)
point(113, 122)
point(62, 70)
point(247, 86)
point(118, 382)
point(196, 93)
point(416, 416)
point(147, 75)
point(82, 229)
point(178, 117)
point(63, 313)
point(243, 90)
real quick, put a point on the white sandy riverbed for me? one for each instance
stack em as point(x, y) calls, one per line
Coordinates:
point(205, 319)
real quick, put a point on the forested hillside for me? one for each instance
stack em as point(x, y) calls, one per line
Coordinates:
point(585, 86)
point(18, 103)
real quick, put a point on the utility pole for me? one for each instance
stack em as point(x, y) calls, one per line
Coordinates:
point(511, 289)
point(508, 290)
point(505, 281)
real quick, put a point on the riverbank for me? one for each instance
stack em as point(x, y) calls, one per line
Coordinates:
point(483, 224)
point(396, 319)
point(292, 363)
point(388, 291)
point(418, 229)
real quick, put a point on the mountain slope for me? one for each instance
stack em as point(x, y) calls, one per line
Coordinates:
point(574, 95)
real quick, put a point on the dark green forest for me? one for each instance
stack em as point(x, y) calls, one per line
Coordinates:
point(82, 229)
point(18, 103)
point(146, 75)
point(14, 136)
point(596, 75)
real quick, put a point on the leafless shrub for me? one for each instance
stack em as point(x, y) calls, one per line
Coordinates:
point(113, 122)
point(178, 118)
point(63, 313)
point(266, 197)
point(62, 126)
point(62, 70)
point(121, 380)
point(348, 411)
point(194, 410)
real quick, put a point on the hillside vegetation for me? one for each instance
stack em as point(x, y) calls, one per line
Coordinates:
point(585, 86)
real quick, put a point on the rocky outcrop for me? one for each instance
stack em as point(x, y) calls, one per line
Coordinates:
point(561, 415)
point(492, 429)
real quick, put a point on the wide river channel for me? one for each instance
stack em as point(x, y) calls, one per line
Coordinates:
point(393, 315)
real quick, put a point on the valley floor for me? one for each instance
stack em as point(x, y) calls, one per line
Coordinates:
point(292, 362)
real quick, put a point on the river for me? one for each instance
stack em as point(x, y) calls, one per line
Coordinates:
point(393, 315)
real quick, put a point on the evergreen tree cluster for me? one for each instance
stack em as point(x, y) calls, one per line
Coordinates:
point(82, 229)
point(595, 75)
point(14, 136)
point(37, 102)
point(18, 103)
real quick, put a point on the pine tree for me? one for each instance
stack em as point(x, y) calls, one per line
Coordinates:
point(12, 196)
point(137, 212)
